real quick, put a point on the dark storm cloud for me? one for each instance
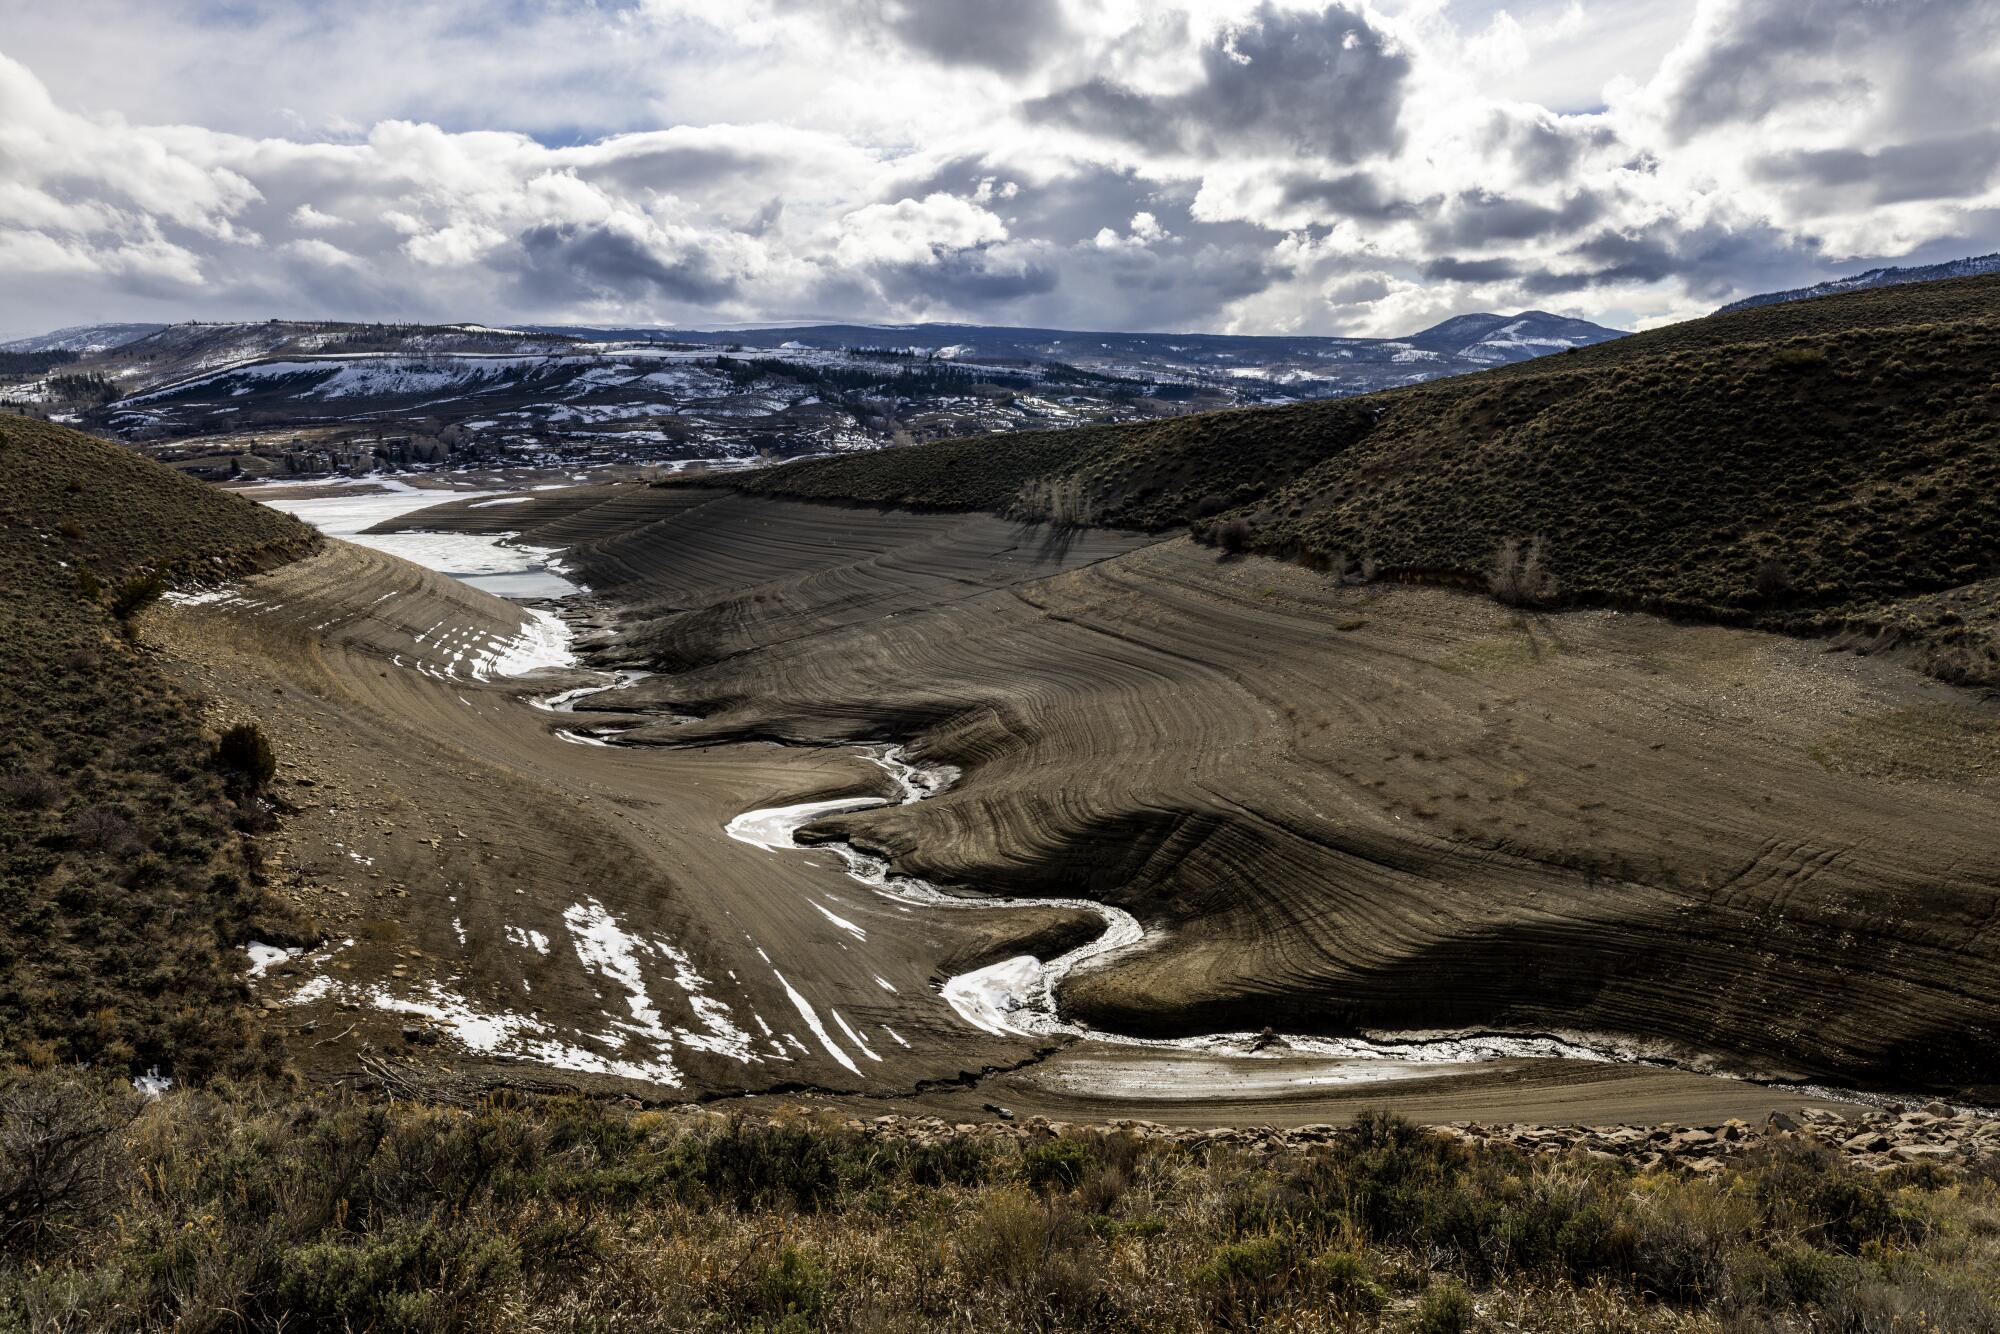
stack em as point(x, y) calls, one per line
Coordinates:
point(1066, 208)
point(1102, 107)
point(1357, 194)
point(1471, 270)
point(1169, 285)
point(1547, 148)
point(1008, 37)
point(583, 261)
point(967, 278)
point(1204, 278)
point(1323, 85)
point(1929, 169)
point(1478, 218)
point(1632, 257)
point(1089, 197)
point(1709, 261)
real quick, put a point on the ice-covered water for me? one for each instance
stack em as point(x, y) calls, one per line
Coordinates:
point(773, 827)
point(485, 560)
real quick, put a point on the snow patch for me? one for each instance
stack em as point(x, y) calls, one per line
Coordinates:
point(527, 940)
point(989, 997)
point(264, 957)
point(807, 1013)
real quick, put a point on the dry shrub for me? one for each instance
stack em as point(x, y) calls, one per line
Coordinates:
point(1773, 579)
point(1687, 1235)
point(245, 758)
point(60, 1160)
point(101, 829)
point(1039, 1258)
point(1062, 501)
point(29, 790)
point(136, 594)
point(1522, 578)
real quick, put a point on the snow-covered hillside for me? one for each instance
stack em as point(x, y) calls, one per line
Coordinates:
point(82, 338)
point(292, 398)
point(1970, 267)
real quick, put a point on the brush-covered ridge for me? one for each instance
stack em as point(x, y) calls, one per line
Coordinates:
point(126, 873)
point(1821, 464)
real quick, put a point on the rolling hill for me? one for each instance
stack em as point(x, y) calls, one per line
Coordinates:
point(1305, 363)
point(1969, 267)
point(1831, 464)
point(82, 338)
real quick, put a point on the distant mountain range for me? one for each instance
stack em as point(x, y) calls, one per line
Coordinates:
point(1481, 339)
point(82, 338)
point(1465, 343)
point(1883, 277)
point(311, 396)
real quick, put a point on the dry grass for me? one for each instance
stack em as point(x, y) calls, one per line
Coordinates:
point(330, 1212)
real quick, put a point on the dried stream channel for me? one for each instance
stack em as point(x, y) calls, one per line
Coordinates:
point(1018, 995)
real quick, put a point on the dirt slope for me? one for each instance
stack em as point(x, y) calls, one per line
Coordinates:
point(1376, 807)
point(398, 758)
point(480, 876)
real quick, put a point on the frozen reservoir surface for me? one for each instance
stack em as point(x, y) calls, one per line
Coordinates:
point(488, 561)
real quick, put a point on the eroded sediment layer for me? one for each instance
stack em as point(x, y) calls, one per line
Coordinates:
point(538, 911)
point(1343, 808)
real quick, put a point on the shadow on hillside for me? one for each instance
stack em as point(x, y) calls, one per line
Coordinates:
point(1050, 541)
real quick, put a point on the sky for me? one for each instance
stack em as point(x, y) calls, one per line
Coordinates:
point(1368, 167)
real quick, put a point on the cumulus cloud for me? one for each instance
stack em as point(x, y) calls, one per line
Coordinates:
point(915, 231)
point(1323, 84)
point(1363, 166)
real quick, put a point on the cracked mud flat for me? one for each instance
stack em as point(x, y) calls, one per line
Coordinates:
point(1334, 811)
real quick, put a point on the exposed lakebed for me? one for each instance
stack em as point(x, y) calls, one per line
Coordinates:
point(1013, 999)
